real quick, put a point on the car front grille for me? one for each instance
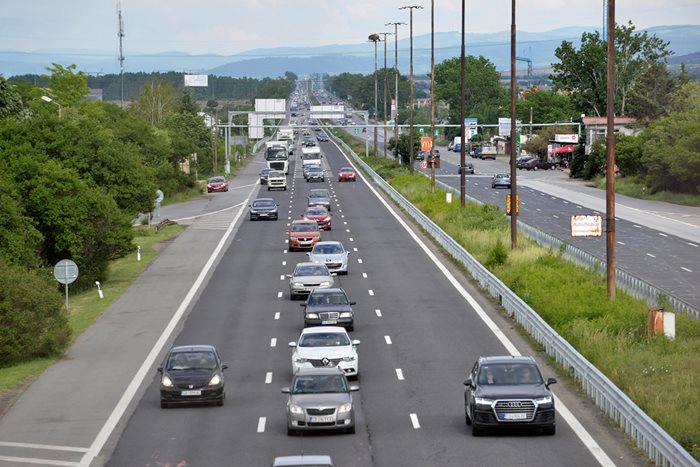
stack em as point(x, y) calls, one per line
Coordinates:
point(333, 265)
point(311, 285)
point(329, 315)
point(326, 411)
point(325, 362)
point(502, 408)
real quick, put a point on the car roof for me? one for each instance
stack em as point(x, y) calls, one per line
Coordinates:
point(330, 242)
point(308, 263)
point(319, 371)
point(264, 199)
point(192, 348)
point(506, 359)
point(318, 291)
point(304, 221)
point(303, 459)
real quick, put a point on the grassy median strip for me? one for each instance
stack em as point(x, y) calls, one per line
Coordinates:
point(661, 376)
point(86, 306)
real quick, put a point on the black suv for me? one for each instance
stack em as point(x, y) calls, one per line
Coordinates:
point(508, 391)
point(329, 307)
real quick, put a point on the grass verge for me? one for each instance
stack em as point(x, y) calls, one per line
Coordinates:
point(86, 306)
point(629, 186)
point(659, 375)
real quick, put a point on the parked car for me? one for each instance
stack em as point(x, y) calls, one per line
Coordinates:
point(303, 234)
point(319, 214)
point(314, 173)
point(320, 399)
point(217, 184)
point(451, 146)
point(319, 197)
point(468, 168)
point(508, 391)
point(332, 254)
point(347, 174)
point(326, 347)
point(303, 460)
point(537, 164)
point(500, 180)
point(329, 306)
point(263, 208)
point(192, 373)
point(521, 161)
point(307, 277)
point(263, 176)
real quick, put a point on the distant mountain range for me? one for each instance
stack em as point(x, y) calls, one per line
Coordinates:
point(539, 47)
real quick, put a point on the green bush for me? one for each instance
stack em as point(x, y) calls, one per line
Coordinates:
point(33, 323)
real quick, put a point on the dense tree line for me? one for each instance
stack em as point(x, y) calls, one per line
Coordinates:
point(360, 89)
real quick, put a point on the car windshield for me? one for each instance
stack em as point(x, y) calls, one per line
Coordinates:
point(314, 168)
point(216, 180)
point(311, 270)
point(316, 212)
point(509, 374)
point(324, 339)
point(202, 360)
point(263, 203)
point(327, 299)
point(264, 171)
point(347, 169)
point(305, 227)
point(319, 384)
point(318, 194)
point(328, 249)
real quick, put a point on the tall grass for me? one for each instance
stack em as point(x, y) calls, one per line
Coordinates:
point(659, 375)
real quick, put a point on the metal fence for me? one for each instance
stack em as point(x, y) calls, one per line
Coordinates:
point(661, 448)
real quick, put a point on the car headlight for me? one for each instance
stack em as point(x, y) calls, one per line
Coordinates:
point(483, 403)
point(351, 358)
point(297, 285)
point(326, 219)
point(295, 409)
point(312, 315)
point(544, 402)
point(345, 408)
point(325, 284)
point(166, 382)
point(346, 314)
point(215, 380)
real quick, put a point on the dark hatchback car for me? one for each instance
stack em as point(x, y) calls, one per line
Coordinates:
point(329, 307)
point(263, 176)
point(537, 164)
point(192, 374)
point(468, 166)
point(508, 391)
point(263, 208)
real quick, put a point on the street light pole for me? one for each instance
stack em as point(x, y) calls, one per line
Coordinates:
point(385, 89)
point(375, 38)
point(513, 172)
point(396, 83)
point(610, 157)
point(410, 9)
point(462, 156)
point(432, 95)
point(48, 99)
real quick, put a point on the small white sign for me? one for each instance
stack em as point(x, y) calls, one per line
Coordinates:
point(197, 80)
point(586, 226)
point(566, 138)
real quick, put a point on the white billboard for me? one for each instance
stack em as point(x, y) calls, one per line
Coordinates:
point(586, 226)
point(566, 138)
point(197, 80)
point(271, 105)
point(504, 126)
point(334, 112)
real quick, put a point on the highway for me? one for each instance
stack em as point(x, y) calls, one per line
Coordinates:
point(419, 336)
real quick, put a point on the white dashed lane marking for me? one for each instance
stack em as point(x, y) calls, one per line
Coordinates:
point(371, 292)
point(387, 339)
point(378, 312)
point(649, 254)
point(364, 274)
point(268, 377)
point(277, 315)
point(282, 277)
point(686, 269)
point(399, 374)
point(273, 342)
point(261, 424)
point(279, 294)
point(414, 421)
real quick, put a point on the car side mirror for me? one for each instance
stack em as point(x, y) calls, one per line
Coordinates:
point(292, 344)
point(285, 390)
point(551, 381)
point(333, 274)
point(353, 303)
point(354, 387)
point(355, 342)
point(469, 382)
point(289, 276)
point(160, 369)
point(224, 366)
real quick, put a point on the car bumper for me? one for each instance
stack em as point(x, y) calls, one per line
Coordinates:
point(544, 418)
point(263, 215)
point(175, 395)
point(350, 368)
point(217, 189)
point(305, 290)
point(343, 322)
point(307, 423)
point(346, 179)
point(302, 244)
point(317, 179)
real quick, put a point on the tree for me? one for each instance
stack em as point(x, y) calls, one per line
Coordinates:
point(484, 96)
point(19, 239)
point(403, 146)
point(10, 100)
point(651, 95)
point(547, 106)
point(539, 144)
point(155, 100)
point(583, 73)
point(66, 86)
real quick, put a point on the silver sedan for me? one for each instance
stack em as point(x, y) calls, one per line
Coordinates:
point(332, 254)
point(309, 276)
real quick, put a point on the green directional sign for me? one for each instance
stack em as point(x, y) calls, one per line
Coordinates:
point(517, 142)
point(421, 130)
point(437, 132)
point(357, 131)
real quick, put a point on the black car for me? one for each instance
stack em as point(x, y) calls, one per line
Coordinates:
point(263, 176)
point(508, 391)
point(329, 307)
point(192, 373)
point(468, 168)
point(263, 208)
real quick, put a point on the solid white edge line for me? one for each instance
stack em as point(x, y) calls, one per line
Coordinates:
point(32, 460)
point(140, 375)
point(48, 447)
point(414, 421)
point(568, 417)
point(261, 424)
point(213, 212)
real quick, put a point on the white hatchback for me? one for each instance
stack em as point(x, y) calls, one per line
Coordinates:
point(326, 347)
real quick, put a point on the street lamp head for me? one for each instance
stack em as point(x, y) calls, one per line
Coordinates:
point(46, 99)
point(374, 37)
point(410, 7)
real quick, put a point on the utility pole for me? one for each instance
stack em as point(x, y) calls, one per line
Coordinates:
point(396, 83)
point(462, 156)
point(513, 172)
point(410, 9)
point(610, 156)
point(375, 38)
point(432, 95)
point(121, 35)
point(385, 89)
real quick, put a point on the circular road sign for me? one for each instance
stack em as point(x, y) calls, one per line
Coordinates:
point(423, 164)
point(65, 271)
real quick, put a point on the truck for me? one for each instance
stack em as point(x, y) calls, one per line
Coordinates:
point(488, 151)
point(285, 143)
point(285, 133)
point(277, 158)
point(311, 156)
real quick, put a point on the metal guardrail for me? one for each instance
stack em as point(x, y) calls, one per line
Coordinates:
point(260, 143)
point(659, 446)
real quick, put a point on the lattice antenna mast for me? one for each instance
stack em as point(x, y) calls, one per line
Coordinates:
point(121, 54)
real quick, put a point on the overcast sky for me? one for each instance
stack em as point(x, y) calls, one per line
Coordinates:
point(231, 26)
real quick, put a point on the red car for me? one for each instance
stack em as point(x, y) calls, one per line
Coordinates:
point(347, 174)
point(320, 215)
point(217, 184)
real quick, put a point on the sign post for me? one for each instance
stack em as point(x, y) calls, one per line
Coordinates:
point(65, 272)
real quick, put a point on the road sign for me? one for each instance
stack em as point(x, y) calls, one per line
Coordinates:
point(426, 142)
point(421, 130)
point(423, 164)
point(65, 271)
point(357, 131)
point(509, 205)
point(586, 226)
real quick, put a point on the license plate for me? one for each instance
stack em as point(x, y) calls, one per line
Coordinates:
point(330, 321)
point(514, 416)
point(193, 392)
point(323, 419)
